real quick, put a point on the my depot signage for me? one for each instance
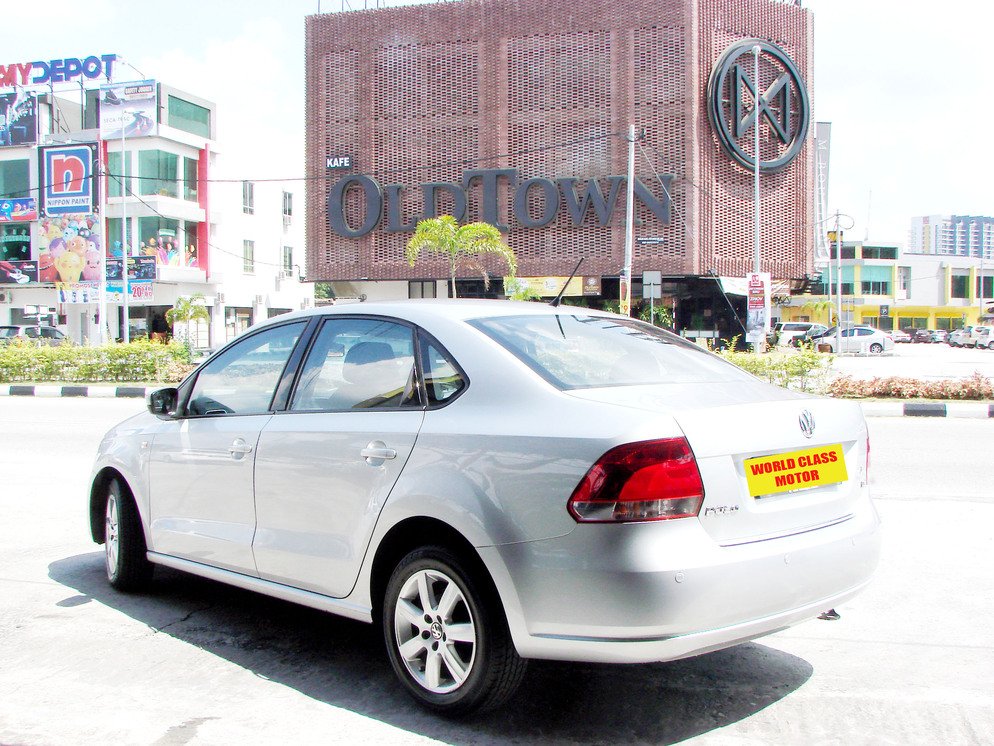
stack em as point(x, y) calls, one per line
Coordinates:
point(57, 71)
point(535, 202)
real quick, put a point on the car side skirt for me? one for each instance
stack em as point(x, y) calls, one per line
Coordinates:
point(258, 585)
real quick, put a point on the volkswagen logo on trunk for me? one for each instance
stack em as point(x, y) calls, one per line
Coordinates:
point(781, 107)
point(807, 423)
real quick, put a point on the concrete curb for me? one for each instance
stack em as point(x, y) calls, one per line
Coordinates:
point(96, 392)
point(966, 409)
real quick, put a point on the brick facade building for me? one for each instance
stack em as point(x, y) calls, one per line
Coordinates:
point(517, 112)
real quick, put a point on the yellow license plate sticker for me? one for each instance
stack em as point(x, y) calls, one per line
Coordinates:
point(797, 470)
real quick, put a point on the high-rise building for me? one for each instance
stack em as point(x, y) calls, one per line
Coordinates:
point(958, 235)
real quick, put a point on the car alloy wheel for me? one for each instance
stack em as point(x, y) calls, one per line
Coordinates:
point(876, 347)
point(446, 634)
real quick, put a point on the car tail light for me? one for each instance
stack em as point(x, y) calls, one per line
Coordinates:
point(652, 480)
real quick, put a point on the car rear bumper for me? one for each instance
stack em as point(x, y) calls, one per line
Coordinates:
point(637, 593)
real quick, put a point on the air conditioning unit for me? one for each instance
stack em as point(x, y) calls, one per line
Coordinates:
point(258, 300)
point(219, 300)
point(4, 297)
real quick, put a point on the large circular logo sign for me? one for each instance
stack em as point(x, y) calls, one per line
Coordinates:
point(778, 101)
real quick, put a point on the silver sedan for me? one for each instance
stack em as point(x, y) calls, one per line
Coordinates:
point(491, 482)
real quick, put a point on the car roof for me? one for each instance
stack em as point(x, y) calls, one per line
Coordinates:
point(456, 309)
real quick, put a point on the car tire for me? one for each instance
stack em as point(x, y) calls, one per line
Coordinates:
point(876, 348)
point(128, 568)
point(447, 636)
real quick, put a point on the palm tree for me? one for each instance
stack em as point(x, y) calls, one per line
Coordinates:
point(187, 310)
point(462, 244)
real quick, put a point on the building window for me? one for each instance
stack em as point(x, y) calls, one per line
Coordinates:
point(190, 169)
point(987, 291)
point(421, 289)
point(878, 252)
point(159, 173)
point(118, 176)
point(959, 286)
point(14, 180)
point(876, 288)
point(287, 204)
point(847, 288)
point(248, 257)
point(248, 197)
point(189, 117)
point(288, 260)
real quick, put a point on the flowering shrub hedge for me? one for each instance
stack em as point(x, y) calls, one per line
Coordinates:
point(897, 387)
point(67, 363)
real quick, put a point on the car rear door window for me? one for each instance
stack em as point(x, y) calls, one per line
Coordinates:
point(357, 363)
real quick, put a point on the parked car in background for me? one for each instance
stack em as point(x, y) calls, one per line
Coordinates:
point(959, 337)
point(900, 335)
point(921, 336)
point(939, 335)
point(975, 334)
point(38, 333)
point(785, 332)
point(985, 340)
point(492, 481)
point(854, 339)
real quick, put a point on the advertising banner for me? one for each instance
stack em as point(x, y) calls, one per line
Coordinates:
point(18, 273)
point(757, 308)
point(18, 210)
point(141, 269)
point(78, 292)
point(67, 177)
point(69, 249)
point(128, 110)
point(18, 119)
point(545, 287)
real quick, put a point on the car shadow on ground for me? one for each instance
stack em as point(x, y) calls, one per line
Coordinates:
point(343, 663)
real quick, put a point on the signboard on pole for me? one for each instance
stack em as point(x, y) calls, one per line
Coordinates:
point(757, 308)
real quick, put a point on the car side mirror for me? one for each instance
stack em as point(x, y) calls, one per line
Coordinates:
point(163, 403)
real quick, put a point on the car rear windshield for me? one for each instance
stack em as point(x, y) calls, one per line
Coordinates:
point(579, 351)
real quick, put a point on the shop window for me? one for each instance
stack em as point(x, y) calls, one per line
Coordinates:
point(421, 289)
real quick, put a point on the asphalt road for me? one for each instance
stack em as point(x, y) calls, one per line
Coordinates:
point(193, 662)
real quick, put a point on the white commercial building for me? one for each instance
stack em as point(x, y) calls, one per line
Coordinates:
point(71, 207)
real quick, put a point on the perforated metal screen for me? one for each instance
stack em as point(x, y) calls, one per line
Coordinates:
point(426, 93)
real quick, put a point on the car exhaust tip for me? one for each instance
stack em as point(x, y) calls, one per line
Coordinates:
point(830, 616)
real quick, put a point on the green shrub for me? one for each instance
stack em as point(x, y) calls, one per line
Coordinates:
point(795, 368)
point(141, 360)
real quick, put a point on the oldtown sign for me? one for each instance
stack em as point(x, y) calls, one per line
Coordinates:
point(547, 196)
point(737, 104)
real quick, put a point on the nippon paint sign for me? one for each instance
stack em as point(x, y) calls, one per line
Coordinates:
point(67, 179)
point(67, 70)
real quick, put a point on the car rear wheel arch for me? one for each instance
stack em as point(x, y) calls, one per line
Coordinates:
point(409, 535)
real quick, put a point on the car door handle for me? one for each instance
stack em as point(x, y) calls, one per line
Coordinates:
point(239, 447)
point(377, 452)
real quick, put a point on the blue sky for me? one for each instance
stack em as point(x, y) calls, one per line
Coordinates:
point(905, 88)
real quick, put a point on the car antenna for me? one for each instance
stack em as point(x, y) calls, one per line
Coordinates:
point(558, 299)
